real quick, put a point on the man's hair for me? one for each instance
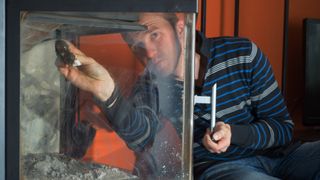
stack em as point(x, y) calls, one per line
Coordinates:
point(170, 17)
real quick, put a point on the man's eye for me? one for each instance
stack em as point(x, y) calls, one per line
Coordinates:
point(138, 48)
point(154, 35)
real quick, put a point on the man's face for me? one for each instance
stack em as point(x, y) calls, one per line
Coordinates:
point(158, 46)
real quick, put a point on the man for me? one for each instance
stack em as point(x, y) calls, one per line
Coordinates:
point(253, 135)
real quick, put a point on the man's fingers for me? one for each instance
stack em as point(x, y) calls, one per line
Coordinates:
point(71, 74)
point(224, 149)
point(73, 49)
point(59, 63)
point(79, 55)
point(216, 142)
point(214, 147)
point(220, 131)
point(84, 60)
point(209, 143)
point(217, 135)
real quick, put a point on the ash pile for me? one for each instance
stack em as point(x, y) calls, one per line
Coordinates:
point(56, 166)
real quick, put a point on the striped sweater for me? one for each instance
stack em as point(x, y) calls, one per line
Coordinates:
point(248, 98)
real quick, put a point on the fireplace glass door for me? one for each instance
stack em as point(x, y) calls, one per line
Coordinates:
point(102, 95)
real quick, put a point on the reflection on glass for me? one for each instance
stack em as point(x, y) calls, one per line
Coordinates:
point(117, 112)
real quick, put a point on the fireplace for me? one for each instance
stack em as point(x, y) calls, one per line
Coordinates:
point(56, 130)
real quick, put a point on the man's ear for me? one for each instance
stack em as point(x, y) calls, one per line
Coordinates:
point(180, 27)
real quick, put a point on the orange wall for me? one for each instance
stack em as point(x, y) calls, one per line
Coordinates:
point(219, 18)
point(262, 22)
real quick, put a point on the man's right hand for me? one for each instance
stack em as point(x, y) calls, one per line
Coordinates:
point(90, 76)
point(219, 140)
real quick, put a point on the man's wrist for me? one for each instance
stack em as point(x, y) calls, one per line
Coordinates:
point(111, 99)
point(240, 134)
point(103, 93)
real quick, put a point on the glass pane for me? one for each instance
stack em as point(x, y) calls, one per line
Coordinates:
point(102, 95)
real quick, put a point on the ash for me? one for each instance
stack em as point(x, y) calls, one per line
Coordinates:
point(57, 166)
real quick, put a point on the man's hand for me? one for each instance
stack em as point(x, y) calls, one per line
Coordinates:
point(219, 140)
point(90, 76)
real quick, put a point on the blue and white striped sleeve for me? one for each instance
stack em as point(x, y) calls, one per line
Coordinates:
point(134, 119)
point(272, 125)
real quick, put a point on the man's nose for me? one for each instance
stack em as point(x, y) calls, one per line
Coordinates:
point(151, 50)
